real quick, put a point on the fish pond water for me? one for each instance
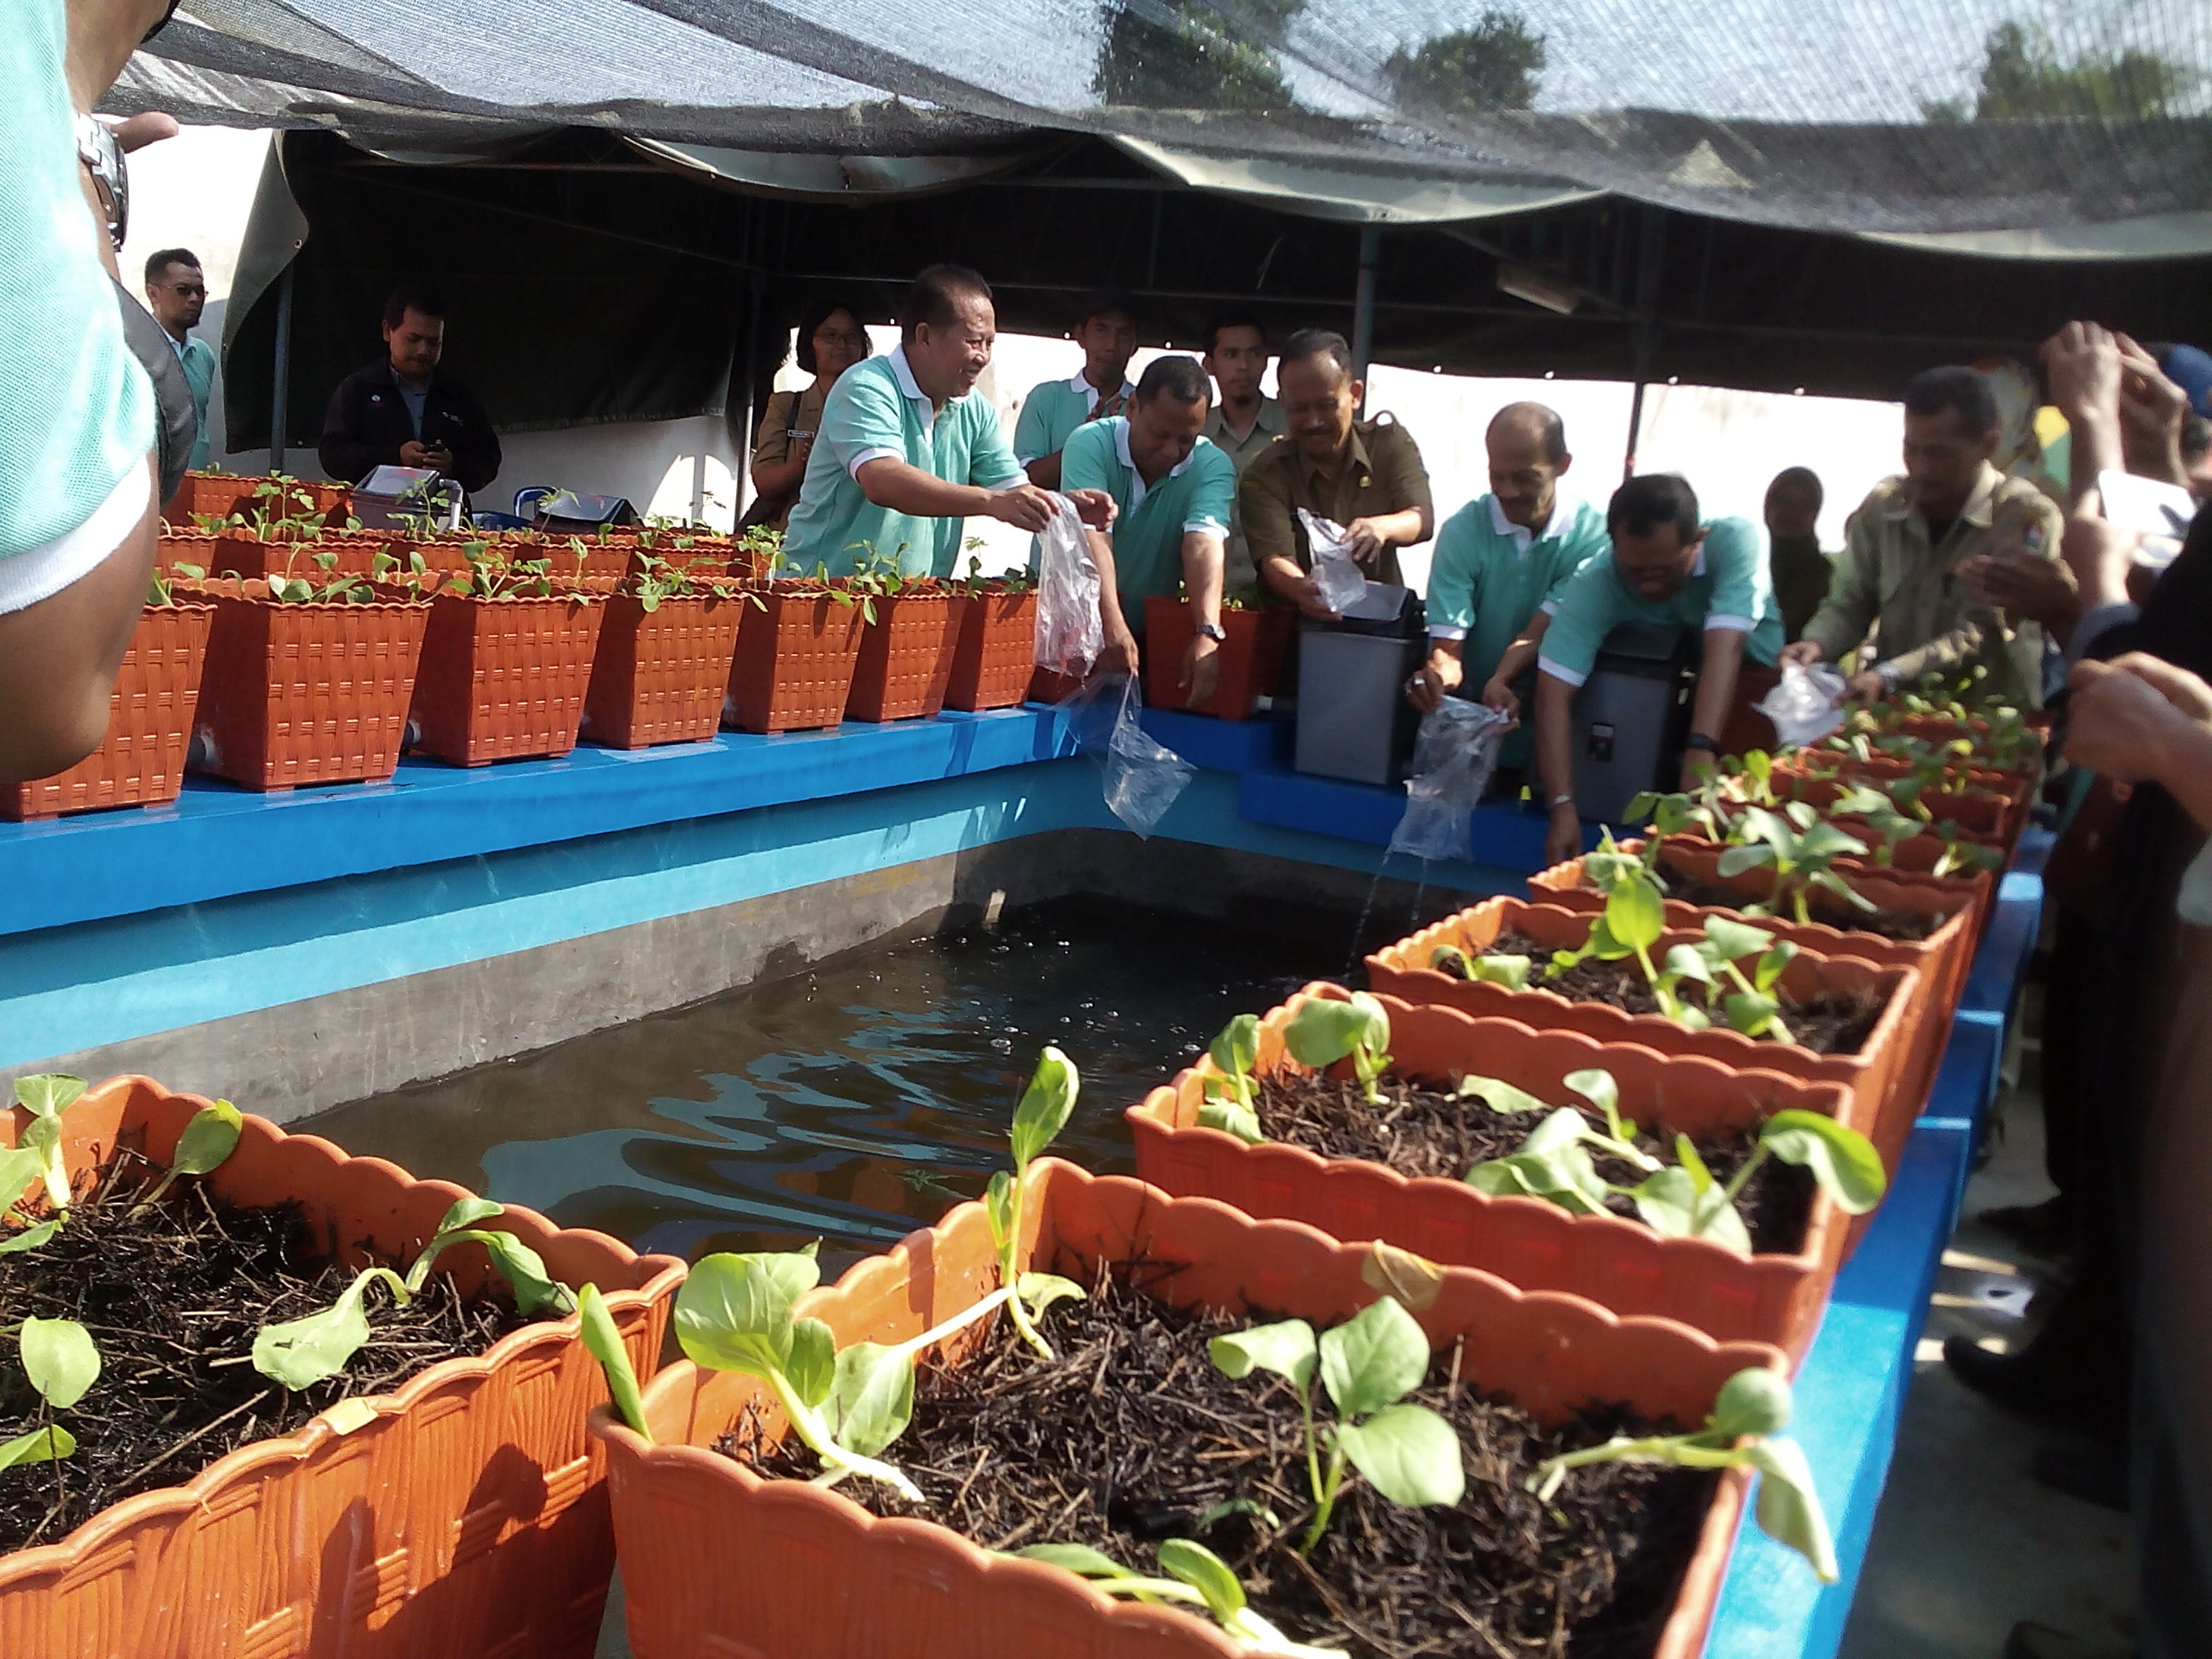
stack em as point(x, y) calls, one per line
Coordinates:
point(853, 1102)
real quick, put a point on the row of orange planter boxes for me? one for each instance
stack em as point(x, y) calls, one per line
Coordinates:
point(465, 1513)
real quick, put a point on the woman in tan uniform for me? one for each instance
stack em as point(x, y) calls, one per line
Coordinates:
point(830, 341)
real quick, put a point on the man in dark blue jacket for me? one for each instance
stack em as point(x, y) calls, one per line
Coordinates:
point(402, 412)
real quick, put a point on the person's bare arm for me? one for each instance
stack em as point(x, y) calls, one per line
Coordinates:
point(909, 489)
point(1562, 836)
point(1442, 673)
point(58, 659)
point(2139, 720)
point(783, 477)
point(2082, 362)
point(1516, 659)
point(1118, 653)
point(1368, 537)
point(1203, 558)
point(1716, 678)
point(1044, 472)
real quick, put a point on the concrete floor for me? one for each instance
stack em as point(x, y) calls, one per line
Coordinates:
point(1966, 1542)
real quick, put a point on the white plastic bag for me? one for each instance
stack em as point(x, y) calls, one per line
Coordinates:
point(1339, 579)
point(1805, 705)
point(1454, 756)
point(1143, 777)
point(1069, 634)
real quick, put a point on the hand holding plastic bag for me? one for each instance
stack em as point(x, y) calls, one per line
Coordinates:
point(1806, 706)
point(1454, 756)
point(1143, 777)
point(1341, 581)
point(1069, 634)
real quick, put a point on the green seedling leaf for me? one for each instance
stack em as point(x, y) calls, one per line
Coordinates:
point(1735, 860)
point(1788, 1507)
point(1688, 962)
point(1325, 1030)
point(535, 1290)
point(1500, 1096)
point(43, 1138)
point(1373, 1360)
point(733, 1312)
point(602, 1339)
point(1231, 1117)
point(30, 1238)
point(49, 1094)
point(1595, 1085)
point(1077, 1558)
point(1206, 1573)
point(871, 1398)
point(19, 1167)
point(1755, 1401)
point(1752, 1014)
point(1770, 966)
point(811, 1367)
point(1038, 1292)
point(1237, 1049)
point(467, 1212)
point(207, 1139)
point(1636, 914)
point(1671, 1203)
point(1287, 1349)
point(1841, 1159)
point(301, 1353)
point(1686, 1154)
point(47, 1445)
point(1220, 1512)
point(1409, 1453)
point(1510, 971)
point(1735, 940)
point(1045, 1107)
point(1551, 1164)
point(999, 1208)
point(59, 1360)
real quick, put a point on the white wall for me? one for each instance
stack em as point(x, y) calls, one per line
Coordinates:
point(196, 191)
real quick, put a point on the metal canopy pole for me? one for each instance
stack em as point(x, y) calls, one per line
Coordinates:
point(280, 380)
point(1363, 303)
point(1650, 243)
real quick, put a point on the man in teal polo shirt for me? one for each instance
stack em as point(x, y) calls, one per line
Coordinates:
point(1665, 567)
point(907, 452)
point(1499, 560)
point(1106, 330)
point(1173, 490)
point(176, 292)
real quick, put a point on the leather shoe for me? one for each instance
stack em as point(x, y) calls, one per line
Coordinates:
point(2034, 1381)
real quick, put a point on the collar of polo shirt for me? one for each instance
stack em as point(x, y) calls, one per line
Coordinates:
point(1562, 512)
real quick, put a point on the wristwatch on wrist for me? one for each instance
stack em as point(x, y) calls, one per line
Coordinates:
point(1888, 674)
point(1699, 740)
point(102, 156)
point(1558, 801)
point(1213, 631)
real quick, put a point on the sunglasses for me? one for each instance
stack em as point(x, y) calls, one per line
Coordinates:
point(163, 24)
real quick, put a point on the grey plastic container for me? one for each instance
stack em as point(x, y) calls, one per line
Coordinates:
point(1353, 722)
point(1631, 715)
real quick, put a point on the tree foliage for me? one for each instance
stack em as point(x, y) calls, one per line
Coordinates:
point(2023, 79)
point(1193, 60)
point(1496, 65)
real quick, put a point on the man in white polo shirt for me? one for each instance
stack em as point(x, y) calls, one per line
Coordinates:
point(907, 452)
point(77, 511)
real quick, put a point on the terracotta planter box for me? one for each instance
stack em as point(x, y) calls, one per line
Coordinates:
point(1617, 1262)
point(466, 1518)
point(995, 637)
point(716, 1560)
point(1251, 657)
point(1877, 1077)
point(657, 676)
point(1984, 814)
point(210, 495)
point(795, 663)
point(302, 694)
point(906, 658)
point(1048, 686)
point(504, 678)
point(184, 547)
point(141, 761)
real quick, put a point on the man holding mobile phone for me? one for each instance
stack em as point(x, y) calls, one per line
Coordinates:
point(404, 411)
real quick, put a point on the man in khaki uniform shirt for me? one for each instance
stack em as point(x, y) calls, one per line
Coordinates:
point(1903, 570)
point(1243, 422)
point(1365, 475)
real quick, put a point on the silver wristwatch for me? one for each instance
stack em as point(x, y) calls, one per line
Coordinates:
point(1213, 631)
point(96, 147)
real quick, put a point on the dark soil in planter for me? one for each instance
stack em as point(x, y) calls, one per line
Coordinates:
point(1828, 1025)
point(173, 1299)
point(1421, 1131)
point(1131, 1437)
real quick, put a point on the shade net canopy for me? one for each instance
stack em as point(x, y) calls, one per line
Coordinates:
point(1890, 117)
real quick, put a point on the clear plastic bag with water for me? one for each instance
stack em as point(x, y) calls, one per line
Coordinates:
point(1454, 755)
point(1143, 777)
point(1069, 635)
point(1805, 705)
point(1341, 583)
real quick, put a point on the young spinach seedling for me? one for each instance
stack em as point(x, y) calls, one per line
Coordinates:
point(1326, 1030)
point(1198, 1576)
point(1744, 1432)
point(1800, 847)
point(207, 1139)
point(1684, 1201)
point(1554, 1162)
point(1368, 1364)
point(604, 1341)
point(301, 1352)
point(1045, 1108)
point(38, 1153)
point(60, 1363)
point(1231, 1099)
point(1511, 972)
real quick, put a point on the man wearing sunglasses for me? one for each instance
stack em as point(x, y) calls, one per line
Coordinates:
point(176, 292)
